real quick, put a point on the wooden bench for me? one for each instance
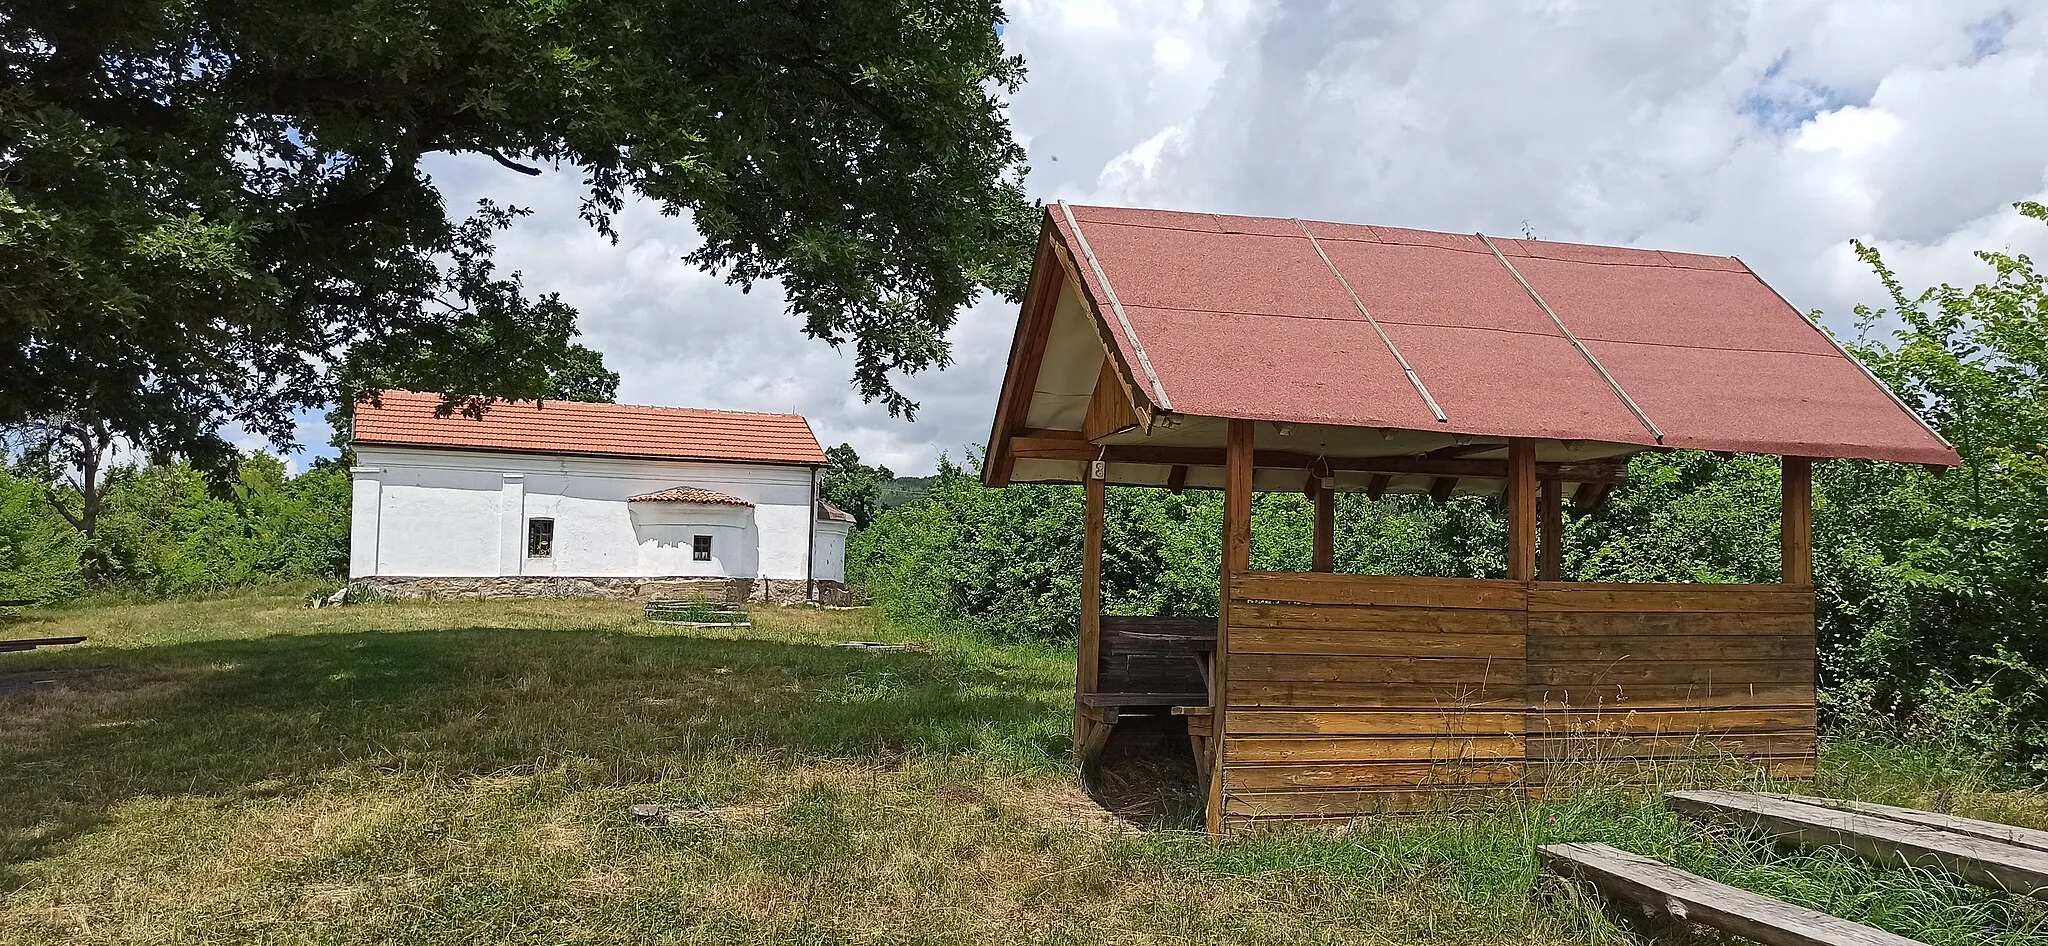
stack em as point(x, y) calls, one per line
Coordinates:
point(1146, 665)
point(1665, 893)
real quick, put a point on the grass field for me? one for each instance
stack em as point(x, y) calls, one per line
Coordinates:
point(251, 770)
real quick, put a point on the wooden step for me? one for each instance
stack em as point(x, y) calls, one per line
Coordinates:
point(1665, 891)
point(1992, 863)
point(1989, 830)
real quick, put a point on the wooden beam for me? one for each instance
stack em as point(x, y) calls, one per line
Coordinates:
point(1027, 353)
point(1667, 893)
point(1237, 559)
point(1109, 410)
point(1088, 658)
point(1377, 486)
point(1323, 556)
point(1441, 488)
point(1177, 479)
point(1591, 496)
point(1461, 449)
point(1521, 509)
point(1795, 531)
point(1066, 448)
point(1550, 551)
point(2006, 867)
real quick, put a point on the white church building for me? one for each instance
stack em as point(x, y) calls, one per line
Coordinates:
point(563, 497)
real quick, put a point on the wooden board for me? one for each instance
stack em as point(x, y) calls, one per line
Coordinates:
point(1991, 830)
point(1250, 721)
point(2004, 866)
point(1588, 596)
point(1377, 590)
point(1605, 774)
point(1497, 695)
point(1280, 640)
point(1669, 672)
point(1667, 891)
point(1339, 669)
point(1675, 722)
point(1563, 624)
point(1254, 778)
point(1375, 748)
point(1618, 647)
point(1670, 747)
point(1345, 804)
point(1379, 618)
point(1668, 696)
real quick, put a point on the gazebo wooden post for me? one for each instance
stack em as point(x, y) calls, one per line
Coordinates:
point(1550, 553)
point(1237, 559)
point(1324, 556)
point(1795, 531)
point(1521, 509)
point(1089, 732)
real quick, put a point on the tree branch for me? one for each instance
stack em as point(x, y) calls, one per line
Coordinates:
point(493, 154)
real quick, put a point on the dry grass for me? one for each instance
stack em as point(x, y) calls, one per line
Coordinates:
point(253, 771)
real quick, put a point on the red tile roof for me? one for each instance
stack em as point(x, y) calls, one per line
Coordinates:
point(626, 430)
point(1251, 317)
point(689, 494)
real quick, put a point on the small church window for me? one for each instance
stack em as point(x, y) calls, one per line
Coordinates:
point(540, 538)
point(700, 548)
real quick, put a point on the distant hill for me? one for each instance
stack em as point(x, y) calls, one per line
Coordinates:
point(905, 489)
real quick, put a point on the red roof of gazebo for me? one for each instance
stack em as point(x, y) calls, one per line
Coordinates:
point(1305, 322)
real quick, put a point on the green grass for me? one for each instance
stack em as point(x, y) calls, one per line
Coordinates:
point(250, 770)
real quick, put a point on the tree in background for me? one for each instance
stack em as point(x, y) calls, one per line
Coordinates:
point(64, 460)
point(851, 486)
point(211, 209)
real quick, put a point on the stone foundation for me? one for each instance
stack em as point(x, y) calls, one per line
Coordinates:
point(781, 591)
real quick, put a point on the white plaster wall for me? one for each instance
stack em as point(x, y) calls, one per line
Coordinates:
point(454, 513)
point(830, 549)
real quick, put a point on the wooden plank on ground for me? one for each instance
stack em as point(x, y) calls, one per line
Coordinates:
point(1377, 590)
point(1254, 722)
point(1664, 890)
point(1588, 596)
point(1370, 618)
point(25, 644)
point(1272, 749)
point(1992, 863)
point(1991, 830)
point(1278, 640)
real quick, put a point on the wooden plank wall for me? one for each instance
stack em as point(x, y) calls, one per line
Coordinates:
point(1356, 694)
point(1636, 675)
point(1353, 694)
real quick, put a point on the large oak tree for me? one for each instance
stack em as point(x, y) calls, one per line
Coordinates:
point(216, 211)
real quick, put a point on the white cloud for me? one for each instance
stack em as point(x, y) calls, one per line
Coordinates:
point(1772, 131)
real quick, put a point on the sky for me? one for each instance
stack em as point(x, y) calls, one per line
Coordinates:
point(1774, 131)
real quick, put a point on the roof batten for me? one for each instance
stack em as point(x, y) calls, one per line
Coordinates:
point(1574, 339)
point(1144, 364)
point(1413, 378)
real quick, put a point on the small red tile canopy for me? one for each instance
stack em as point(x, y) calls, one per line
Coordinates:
point(1396, 360)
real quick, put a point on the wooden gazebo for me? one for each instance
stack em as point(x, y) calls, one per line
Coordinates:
point(1183, 350)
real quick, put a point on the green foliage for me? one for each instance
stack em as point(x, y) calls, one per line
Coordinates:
point(853, 486)
point(164, 530)
point(219, 213)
